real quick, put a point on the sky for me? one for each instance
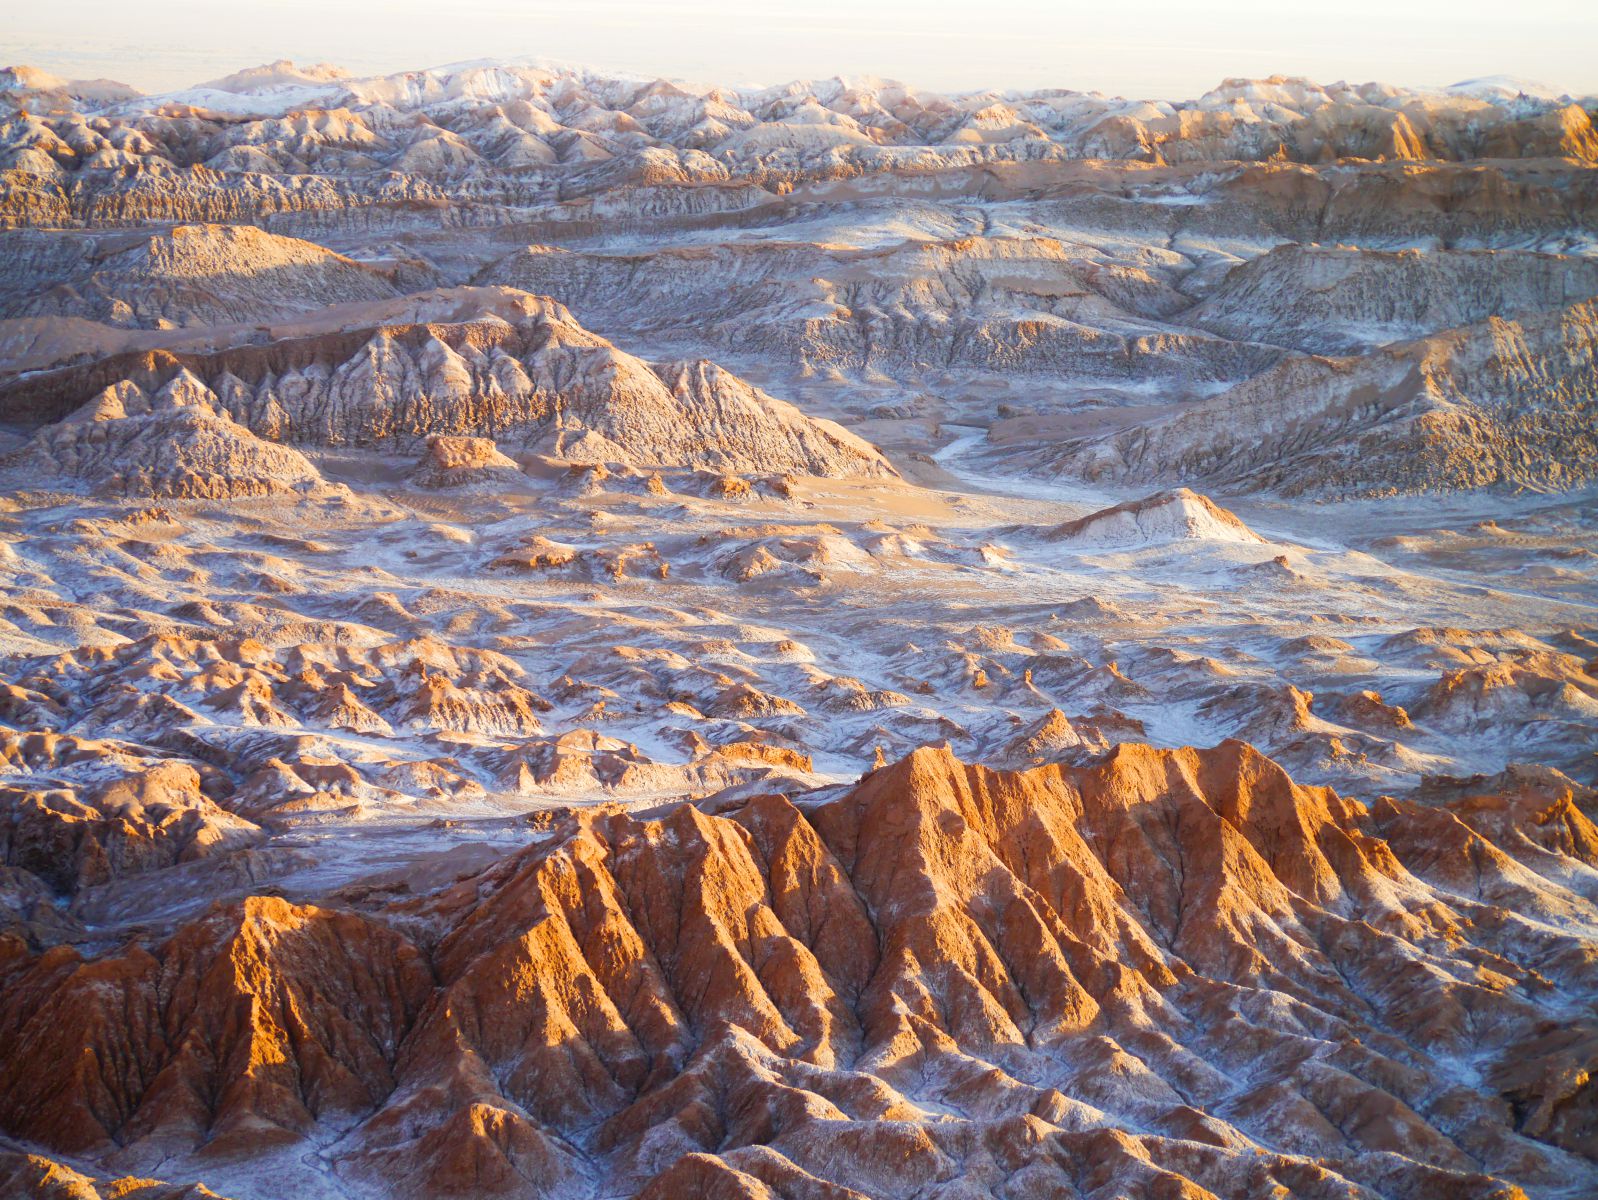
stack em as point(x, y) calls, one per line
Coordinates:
point(1173, 49)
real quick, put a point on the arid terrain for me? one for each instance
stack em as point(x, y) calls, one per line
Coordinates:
point(576, 638)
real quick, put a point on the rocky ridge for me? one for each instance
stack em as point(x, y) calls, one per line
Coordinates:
point(1164, 969)
point(1507, 403)
point(188, 275)
point(514, 367)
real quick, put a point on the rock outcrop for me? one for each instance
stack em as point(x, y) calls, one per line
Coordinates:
point(190, 275)
point(148, 815)
point(1177, 515)
point(1511, 404)
point(1342, 300)
point(453, 462)
point(174, 441)
point(509, 366)
point(1170, 968)
point(1012, 304)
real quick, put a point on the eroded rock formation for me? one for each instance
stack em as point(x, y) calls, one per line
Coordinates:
point(512, 366)
point(1163, 969)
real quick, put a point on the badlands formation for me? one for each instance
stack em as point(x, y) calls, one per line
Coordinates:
point(573, 638)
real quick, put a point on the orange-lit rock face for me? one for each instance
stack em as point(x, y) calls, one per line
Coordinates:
point(1166, 970)
point(250, 1026)
point(70, 843)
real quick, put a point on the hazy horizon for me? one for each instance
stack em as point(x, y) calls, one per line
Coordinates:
point(1164, 49)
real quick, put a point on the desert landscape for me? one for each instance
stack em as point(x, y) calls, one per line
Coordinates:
point(576, 637)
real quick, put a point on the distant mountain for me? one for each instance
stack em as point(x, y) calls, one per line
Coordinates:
point(583, 114)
